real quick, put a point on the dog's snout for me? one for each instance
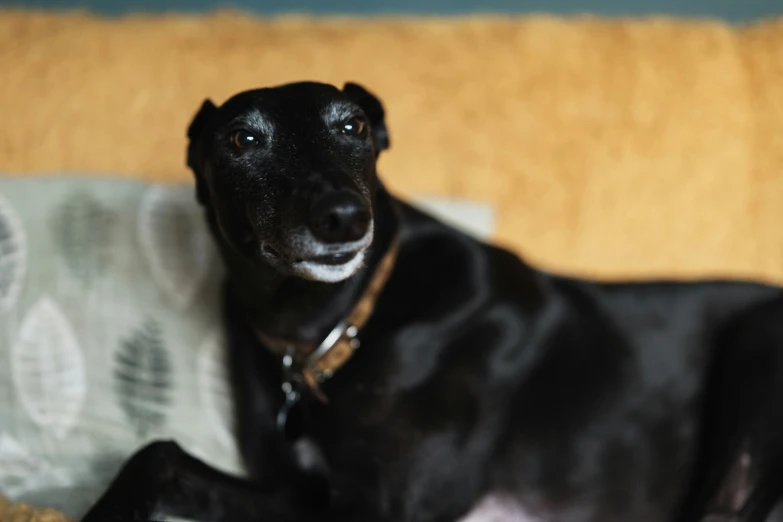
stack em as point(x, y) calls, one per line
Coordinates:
point(339, 217)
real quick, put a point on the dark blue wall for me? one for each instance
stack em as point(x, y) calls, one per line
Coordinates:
point(733, 10)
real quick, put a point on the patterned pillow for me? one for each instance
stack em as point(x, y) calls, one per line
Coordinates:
point(110, 334)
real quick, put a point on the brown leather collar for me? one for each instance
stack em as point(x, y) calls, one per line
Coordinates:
point(311, 364)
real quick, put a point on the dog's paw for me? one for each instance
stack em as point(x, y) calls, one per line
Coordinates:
point(136, 491)
point(157, 462)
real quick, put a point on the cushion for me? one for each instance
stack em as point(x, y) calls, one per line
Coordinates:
point(110, 334)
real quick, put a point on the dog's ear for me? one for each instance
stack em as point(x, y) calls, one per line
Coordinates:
point(373, 108)
point(195, 131)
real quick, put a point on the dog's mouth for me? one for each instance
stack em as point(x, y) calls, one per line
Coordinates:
point(330, 260)
point(330, 268)
point(326, 268)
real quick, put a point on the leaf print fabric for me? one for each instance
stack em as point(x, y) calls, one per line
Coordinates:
point(13, 255)
point(133, 351)
point(175, 242)
point(21, 471)
point(143, 376)
point(110, 334)
point(82, 228)
point(47, 367)
point(214, 387)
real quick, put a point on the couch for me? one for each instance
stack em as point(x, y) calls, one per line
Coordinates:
point(608, 148)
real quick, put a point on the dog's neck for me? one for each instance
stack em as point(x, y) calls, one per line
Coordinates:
point(293, 308)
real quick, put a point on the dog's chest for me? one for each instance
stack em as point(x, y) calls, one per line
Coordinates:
point(496, 508)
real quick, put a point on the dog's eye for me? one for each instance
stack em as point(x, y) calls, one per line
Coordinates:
point(244, 139)
point(354, 127)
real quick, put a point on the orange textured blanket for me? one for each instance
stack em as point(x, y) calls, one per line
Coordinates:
point(613, 148)
point(24, 513)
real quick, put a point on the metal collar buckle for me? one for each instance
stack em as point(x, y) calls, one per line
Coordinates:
point(318, 367)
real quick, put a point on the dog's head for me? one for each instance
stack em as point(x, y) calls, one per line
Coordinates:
point(288, 174)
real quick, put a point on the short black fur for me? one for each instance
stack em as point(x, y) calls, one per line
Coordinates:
point(478, 374)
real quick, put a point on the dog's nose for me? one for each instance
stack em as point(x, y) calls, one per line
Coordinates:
point(339, 217)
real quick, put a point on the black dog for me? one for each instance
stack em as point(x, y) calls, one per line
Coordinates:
point(480, 384)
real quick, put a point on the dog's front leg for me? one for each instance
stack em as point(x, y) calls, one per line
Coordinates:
point(162, 480)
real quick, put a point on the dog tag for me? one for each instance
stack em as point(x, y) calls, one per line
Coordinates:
point(290, 417)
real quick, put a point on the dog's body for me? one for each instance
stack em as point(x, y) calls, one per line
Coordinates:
point(481, 385)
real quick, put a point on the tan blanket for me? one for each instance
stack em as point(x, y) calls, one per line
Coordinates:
point(609, 147)
point(23, 513)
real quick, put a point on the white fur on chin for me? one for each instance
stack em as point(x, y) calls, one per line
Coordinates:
point(328, 273)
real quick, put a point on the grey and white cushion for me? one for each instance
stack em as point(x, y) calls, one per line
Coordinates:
point(110, 334)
